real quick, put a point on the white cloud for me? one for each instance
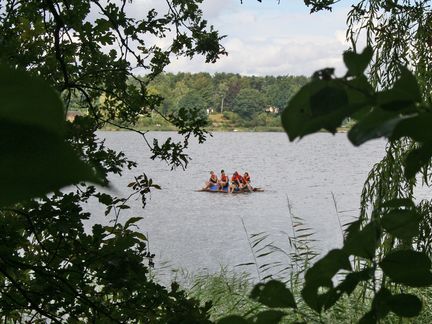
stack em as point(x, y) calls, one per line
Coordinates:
point(341, 36)
point(265, 39)
point(291, 56)
point(213, 9)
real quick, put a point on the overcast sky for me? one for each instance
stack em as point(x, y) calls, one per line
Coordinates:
point(269, 38)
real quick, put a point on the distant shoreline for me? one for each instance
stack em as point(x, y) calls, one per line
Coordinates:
point(258, 129)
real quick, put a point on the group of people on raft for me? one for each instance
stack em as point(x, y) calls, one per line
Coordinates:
point(238, 182)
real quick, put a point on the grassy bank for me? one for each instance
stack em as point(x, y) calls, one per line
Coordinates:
point(226, 122)
point(229, 293)
point(227, 290)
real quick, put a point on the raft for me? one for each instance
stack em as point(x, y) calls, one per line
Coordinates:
point(225, 190)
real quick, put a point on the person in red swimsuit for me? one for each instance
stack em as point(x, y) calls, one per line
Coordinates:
point(223, 181)
point(235, 182)
point(247, 180)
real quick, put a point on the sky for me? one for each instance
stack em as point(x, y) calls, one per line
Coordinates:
point(268, 38)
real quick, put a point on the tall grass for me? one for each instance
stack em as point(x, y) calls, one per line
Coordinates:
point(229, 293)
point(229, 290)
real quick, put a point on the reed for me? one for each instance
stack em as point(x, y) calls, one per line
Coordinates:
point(229, 293)
point(229, 290)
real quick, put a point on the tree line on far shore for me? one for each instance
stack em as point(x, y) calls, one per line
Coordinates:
point(245, 95)
point(242, 101)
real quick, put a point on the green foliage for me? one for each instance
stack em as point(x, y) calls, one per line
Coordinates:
point(221, 91)
point(273, 294)
point(52, 270)
point(317, 5)
point(362, 243)
point(40, 107)
point(401, 223)
point(408, 267)
point(382, 245)
point(58, 54)
point(327, 101)
point(248, 102)
point(234, 117)
point(393, 113)
point(35, 160)
point(81, 63)
point(278, 91)
point(227, 290)
point(357, 63)
point(191, 114)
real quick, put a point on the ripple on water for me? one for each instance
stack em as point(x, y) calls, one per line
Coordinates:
point(196, 230)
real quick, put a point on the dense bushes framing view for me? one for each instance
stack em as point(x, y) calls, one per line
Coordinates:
point(56, 55)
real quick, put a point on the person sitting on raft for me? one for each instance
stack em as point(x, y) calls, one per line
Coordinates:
point(213, 181)
point(223, 182)
point(246, 181)
point(235, 182)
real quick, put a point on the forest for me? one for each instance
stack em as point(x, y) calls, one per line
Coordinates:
point(228, 101)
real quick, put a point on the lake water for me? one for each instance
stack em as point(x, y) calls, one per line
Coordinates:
point(204, 231)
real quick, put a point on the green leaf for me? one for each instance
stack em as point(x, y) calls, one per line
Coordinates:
point(233, 319)
point(327, 99)
point(417, 159)
point(377, 123)
point(105, 199)
point(269, 317)
point(414, 127)
point(324, 103)
point(29, 100)
point(379, 308)
point(407, 85)
point(380, 303)
point(357, 63)
point(402, 223)
point(319, 104)
point(404, 93)
point(34, 162)
point(346, 286)
point(141, 236)
point(408, 267)
point(273, 294)
point(368, 318)
point(398, 202)
point(328, 266)
point(362, 242)
point(320, 276)
point(352, 280)
point(360, 91)
point(131, 221)
point(315, 294)
point(405, 305)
